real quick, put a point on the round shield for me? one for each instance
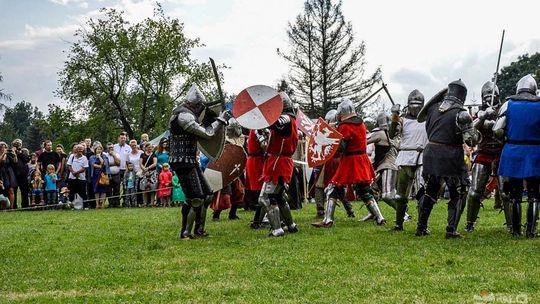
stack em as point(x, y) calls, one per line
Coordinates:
point(257, 107)
point(228, 167)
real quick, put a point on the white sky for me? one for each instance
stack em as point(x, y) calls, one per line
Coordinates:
point(418, 43)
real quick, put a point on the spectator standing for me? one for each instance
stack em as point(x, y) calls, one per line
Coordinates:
point(77, 165)
point(130, 182)
point(88, 152)
point(134, 157)
point(7, 160)
point(148, 163)
point(99, 163)
point(178, 196)
point(21, 173)
point(62, 172)
point(162, 153)
point(122, 149)
point(48, 157)
point(50, 180)
point(115, 178)
point(37, 188)
point(165, 186)
point(144, 140)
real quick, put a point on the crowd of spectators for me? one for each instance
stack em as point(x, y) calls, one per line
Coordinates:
point(89, 175)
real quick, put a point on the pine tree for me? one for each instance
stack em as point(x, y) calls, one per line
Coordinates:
point(325, 62)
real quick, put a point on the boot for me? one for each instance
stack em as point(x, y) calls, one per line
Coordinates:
point(515, 213)
point(454, 215)
point(232, 213)
point(348, 207)
point(425, 205)
point(401, 212)
point(532, 217)
point(215, 215)
point(507, 214)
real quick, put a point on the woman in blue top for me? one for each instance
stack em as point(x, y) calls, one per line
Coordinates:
point(162, 153)
point(99, 163)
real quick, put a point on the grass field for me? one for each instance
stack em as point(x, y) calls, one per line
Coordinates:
point(125, 256)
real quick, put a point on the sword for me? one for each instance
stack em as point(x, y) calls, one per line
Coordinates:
point(387, 92)
point(361, 103)
point(496, 71)
point(216, 76)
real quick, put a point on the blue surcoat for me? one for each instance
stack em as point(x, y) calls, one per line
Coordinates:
point(520, 157)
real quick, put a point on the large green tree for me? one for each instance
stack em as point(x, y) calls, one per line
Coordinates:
point(131, 75)
point(325, 61)
point(511, 74)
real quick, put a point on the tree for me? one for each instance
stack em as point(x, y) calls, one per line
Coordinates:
point(511, 74)
point(131, 74)
point(325, 62)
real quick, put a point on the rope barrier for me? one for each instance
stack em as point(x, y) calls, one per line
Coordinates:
point(84, 201)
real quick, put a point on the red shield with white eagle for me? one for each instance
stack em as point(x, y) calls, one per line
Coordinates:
point(323, 143)
point(304, 123)
point(257, 107)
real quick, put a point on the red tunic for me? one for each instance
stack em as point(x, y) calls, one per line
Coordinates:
point(254, 164)
point(280, 149)
point(355, 167)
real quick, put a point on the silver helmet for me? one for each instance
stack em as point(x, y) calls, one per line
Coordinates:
point(527, 84)
point(330, 116)
point(487, 90)
point(345, 107)
point(383, 121)
point(415, 102)
point(234, 129)
point(288, 106)
point(195, 99)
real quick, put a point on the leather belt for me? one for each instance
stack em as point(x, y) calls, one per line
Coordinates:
point(444, 145)
point(359, 152)
point(524, 142)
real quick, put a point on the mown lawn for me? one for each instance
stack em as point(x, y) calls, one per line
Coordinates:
point(132, 255)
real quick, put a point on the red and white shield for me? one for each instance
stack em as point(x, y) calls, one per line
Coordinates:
point(257, 107)
point(323, 143)
point(304, 123)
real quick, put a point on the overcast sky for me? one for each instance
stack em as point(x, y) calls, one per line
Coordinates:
point(418, 44)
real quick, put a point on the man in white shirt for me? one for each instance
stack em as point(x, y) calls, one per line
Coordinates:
point(77, 165)
point(122, 149)
point(116, 178)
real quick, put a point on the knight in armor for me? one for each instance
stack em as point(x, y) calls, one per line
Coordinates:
point(486, 162)
point(518, 122)
point(448, 126)
point(412, 141)
point(326, 172)
point(384, 161)
point(257, 142)
point(232, 195)
point(278, 169)
point(185, 130)
point(354, 168)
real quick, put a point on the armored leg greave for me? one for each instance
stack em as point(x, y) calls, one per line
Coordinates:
point(373, 208)
point(329, 212)
point(348, 207)
point(515, 213)
point(532, 218)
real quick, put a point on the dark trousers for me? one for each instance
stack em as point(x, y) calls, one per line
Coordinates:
point(77, 186)
point(23, 185)
point(114, 183)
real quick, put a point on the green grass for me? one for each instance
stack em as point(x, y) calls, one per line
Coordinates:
point(126, 256)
